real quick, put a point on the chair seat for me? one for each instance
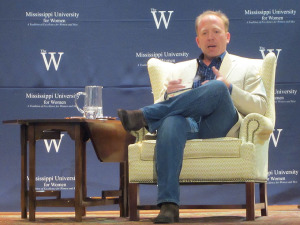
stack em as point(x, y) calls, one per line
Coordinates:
point(200, 148)
point(240, 164)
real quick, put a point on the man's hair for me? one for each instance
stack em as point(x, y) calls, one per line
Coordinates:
point(219, 14)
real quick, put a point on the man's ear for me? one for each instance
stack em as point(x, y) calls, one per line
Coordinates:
point(228, 37)
point(197, 41)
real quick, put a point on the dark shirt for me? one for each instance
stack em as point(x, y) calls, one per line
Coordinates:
point(205, 72)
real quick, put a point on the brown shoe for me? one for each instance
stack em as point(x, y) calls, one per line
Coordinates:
point(169, 213)
point(132, 120)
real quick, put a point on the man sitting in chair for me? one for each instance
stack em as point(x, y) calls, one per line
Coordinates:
point(222, 90)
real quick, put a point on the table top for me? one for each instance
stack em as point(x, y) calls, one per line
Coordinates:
point(107, 135)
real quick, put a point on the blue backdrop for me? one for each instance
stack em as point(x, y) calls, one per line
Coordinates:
point(50, 50)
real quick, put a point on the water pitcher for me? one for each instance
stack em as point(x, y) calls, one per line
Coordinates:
point(92, 108)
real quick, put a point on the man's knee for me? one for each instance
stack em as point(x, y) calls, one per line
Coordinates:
point(218, 85)
point(218, 88)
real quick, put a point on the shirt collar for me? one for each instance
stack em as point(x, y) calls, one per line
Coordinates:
point(220, 57)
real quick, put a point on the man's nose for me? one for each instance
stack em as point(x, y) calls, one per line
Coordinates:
point(211, 35)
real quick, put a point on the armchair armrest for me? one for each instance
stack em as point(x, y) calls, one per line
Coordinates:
point(256, 128)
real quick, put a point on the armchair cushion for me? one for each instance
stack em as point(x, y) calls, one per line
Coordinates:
point(249, 166)
point(201, 148)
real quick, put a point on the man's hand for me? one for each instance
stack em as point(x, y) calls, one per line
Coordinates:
point(219, 76)
point(174, 85)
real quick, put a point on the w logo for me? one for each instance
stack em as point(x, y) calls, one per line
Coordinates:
point(53, 143)
point(51, 59)
point(162, 18)
point(263, 50)
point(275, 139)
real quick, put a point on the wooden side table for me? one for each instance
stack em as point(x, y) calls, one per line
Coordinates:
point(110, 142)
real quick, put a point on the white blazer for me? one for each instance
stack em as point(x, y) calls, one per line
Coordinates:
point(248, 92)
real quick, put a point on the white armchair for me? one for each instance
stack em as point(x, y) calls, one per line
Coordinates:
point(212, 161)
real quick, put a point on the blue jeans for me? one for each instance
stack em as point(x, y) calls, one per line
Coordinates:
point(210, 105)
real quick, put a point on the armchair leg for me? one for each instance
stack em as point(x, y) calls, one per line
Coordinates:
point(133, 202)
point(250, 201)
point(263, 198)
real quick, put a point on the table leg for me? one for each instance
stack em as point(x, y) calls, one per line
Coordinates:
point(78, 173)
point(84, 188)
point(31, 192)
point(123, 200)
point(24, 171)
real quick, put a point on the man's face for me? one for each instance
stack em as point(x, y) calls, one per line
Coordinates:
point(212, 37)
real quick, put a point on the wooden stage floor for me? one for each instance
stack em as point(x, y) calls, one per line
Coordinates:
point(278, 215)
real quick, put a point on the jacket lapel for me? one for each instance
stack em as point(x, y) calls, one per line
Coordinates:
point(227, 65)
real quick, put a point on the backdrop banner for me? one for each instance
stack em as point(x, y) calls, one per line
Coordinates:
point(50, 50)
